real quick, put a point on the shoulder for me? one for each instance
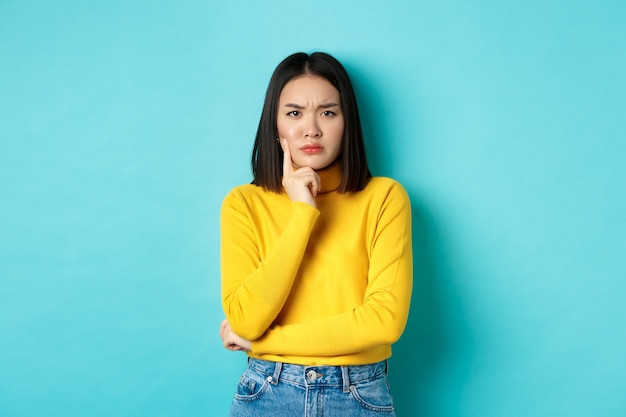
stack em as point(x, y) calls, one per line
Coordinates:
point(244, 190)
point(386, 192)
point(250, 195)
point(384, 185)
point(239, 194)
point(383, 182)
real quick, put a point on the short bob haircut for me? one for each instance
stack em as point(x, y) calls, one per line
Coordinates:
point(267, 154)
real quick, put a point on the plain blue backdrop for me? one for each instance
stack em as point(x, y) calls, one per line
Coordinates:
point(124, 123)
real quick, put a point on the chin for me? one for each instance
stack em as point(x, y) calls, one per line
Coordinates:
point(316, 165)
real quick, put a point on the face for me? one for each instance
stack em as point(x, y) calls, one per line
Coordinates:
point(310, 117)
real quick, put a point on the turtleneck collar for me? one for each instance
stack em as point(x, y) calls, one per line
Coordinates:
point(330, 177)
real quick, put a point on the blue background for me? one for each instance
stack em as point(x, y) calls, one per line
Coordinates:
point(124, 123)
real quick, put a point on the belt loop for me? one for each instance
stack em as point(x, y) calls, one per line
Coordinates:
point(277, 368)
point(345, 376)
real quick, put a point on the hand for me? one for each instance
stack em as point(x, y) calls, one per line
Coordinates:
point(302, 184)
point(230, 339)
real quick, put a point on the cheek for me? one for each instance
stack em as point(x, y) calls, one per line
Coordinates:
point(337, 149)
point(288, 132)
point(286, 128)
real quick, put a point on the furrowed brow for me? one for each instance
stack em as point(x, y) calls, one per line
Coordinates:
point(294, 106)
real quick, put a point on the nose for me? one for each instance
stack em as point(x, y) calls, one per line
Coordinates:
point(312, 129)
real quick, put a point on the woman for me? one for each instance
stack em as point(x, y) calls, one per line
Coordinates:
point(315, 255)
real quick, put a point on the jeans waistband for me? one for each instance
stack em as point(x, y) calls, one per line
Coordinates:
point(319, 375)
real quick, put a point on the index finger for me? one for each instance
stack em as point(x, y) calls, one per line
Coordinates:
point(287, 163)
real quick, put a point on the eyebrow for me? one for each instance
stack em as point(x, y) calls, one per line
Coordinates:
point(322, 106)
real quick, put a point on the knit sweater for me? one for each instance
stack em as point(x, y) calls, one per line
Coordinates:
point(318, 286)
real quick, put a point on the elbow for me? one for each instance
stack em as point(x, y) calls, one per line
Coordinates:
point(392, 324)
point(398, 333)
point(242, 323)
point(392, 333)
point(247, 331)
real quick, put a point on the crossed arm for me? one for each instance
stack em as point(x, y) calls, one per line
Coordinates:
point(379, 320)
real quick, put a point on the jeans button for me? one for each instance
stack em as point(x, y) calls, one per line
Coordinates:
point(311, 375)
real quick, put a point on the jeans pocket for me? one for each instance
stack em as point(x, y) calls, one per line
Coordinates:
point(251, 385)
point(373, 395)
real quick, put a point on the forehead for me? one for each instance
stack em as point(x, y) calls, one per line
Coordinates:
point(309, 87)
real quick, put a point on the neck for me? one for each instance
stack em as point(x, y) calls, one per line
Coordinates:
point(330, 177)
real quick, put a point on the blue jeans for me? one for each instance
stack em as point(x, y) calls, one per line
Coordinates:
point(284, 390)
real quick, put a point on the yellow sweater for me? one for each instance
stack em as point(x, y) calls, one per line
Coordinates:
point(318, 286)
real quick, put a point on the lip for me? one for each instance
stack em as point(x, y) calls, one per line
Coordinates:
point(312, 148)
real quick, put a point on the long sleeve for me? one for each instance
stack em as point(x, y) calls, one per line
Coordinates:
point(260, 257)
point(381, 318)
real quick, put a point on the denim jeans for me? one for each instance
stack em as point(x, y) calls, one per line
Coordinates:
point(284, 390)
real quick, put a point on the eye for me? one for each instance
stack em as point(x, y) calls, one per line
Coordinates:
point(328, 113)
point(293, 113)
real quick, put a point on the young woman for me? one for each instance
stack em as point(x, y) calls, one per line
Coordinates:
point(315, 255)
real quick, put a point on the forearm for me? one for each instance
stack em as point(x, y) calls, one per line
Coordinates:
point(369, 325)
point(255, 287)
